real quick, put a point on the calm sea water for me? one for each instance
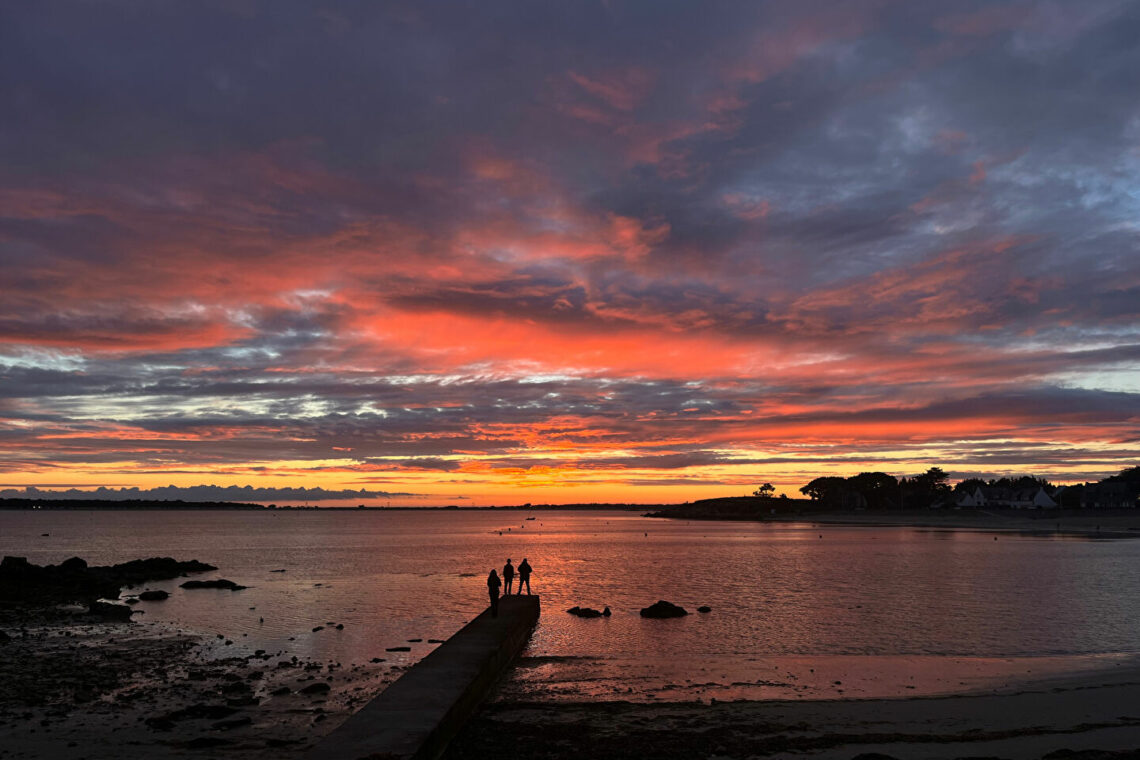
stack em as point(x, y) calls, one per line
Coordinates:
point(795, 607)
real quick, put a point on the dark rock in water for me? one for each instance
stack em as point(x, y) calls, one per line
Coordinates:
point(374, 659)
point(154, 596)
point(227, 725)
point(704, 608)
point(15, 563)
point(584, 612)
point(113, 611)
point(414, 641)
point(398, 649)
point(157, 569)
point(318, 628)
point(278, 571)
point(606, 612)
point(74, 581)
point(217, 583)
point(131, 600)
point(281, 691)
point(340, 626)
point(320, 687)
point(663, 609)
point(435, 641)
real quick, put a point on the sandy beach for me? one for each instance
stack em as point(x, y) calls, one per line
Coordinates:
point(1086, 716)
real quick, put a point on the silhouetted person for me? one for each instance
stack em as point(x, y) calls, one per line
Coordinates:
point(493, 584)
point(524, 576)
point(508, 576)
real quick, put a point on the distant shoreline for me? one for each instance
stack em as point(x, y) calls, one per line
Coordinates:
point(1096, 523)
point(139, 505)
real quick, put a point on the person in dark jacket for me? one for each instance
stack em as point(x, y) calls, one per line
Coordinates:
point(524, 576)
point(493, 584)
point(508, 576)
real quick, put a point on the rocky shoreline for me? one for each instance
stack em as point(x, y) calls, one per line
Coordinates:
point(76, 682)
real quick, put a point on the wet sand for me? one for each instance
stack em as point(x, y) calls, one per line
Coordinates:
point(73, 687)
point(1094, 715)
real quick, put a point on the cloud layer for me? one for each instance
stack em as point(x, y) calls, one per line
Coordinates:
point(531, 252)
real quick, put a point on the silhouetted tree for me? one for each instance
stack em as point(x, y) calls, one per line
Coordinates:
point(969, 484)
point(1128, 475)
point(878, 489)
point(925, 490)
point(765, 490)
point(825, 489)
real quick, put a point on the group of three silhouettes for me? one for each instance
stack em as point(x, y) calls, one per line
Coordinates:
point(494, 584)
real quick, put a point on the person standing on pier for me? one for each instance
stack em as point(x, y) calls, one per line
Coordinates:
point(508, 576)
point(524, 576)
point(493, 584)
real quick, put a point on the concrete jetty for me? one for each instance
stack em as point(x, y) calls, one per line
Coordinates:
point(418, 715)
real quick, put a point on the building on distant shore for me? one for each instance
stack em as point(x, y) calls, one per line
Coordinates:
point(1108, 495)
point(1008, 498)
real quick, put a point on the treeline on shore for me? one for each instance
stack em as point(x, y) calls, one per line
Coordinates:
point(931, 489)
point(879, 491)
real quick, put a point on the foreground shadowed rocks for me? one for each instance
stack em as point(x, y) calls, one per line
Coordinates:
point(24, 584)
point(77, 686)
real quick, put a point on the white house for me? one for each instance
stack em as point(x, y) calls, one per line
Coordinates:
point(1015, 498)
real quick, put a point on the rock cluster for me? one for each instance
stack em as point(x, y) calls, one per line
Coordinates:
point(25, 584)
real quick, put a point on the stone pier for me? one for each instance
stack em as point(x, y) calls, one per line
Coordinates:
point(418, 715)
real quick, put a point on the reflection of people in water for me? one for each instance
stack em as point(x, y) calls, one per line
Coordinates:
point(524, 576)
point(493, 584)
point(508, 576)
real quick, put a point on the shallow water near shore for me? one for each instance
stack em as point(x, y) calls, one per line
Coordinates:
point(886, 611)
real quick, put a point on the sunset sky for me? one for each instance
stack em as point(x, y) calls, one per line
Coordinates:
point(491, 253)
